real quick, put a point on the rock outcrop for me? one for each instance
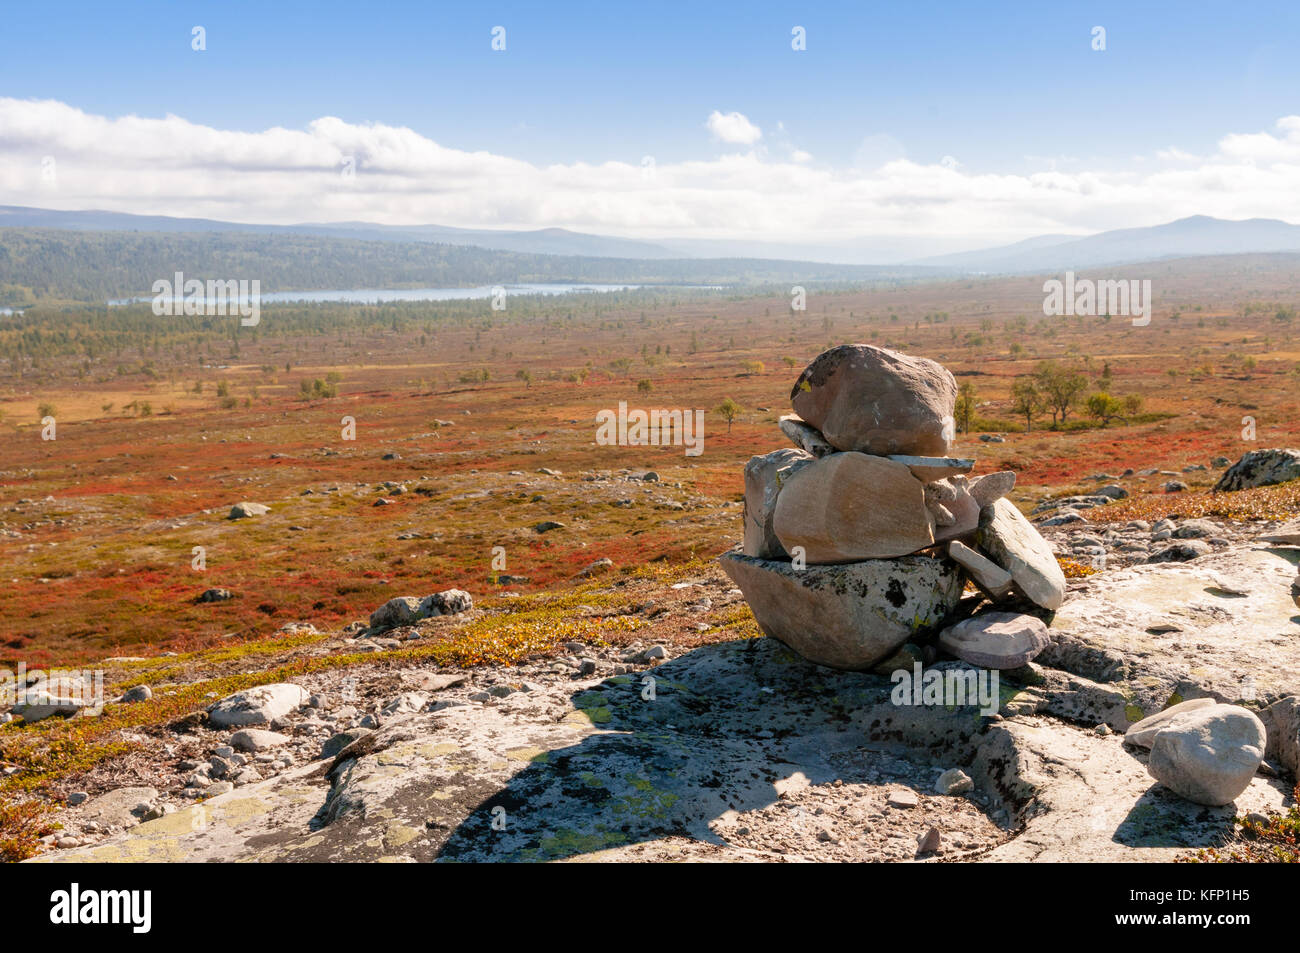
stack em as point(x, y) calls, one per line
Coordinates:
point(1261, 468)
point(746, 753)
point(407, 610)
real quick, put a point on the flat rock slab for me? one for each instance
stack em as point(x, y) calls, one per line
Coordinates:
point(1225, 647)
point(1287, 534)
point(847, 616)
point(929, 469)
point(115, 808)
point(745, 752)
point(992, 579)
point(257, 739)
point(805, 437)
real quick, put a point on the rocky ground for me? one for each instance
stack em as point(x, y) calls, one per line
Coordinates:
point(671, 747)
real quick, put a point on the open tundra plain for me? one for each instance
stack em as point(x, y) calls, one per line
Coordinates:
point(197, 509)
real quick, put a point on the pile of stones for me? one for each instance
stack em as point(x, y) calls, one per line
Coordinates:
point(862, 536)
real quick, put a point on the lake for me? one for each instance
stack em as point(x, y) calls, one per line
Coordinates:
point(381, 295)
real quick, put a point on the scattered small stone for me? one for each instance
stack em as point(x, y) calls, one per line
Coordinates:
point(140, 693)
point(928, 842)
point(954, 781)
point(903, 798)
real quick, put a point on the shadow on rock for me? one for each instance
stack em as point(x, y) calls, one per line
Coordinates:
point(668, 752)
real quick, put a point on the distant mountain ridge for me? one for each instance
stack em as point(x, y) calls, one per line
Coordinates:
point(1198, 235)
point(542, 241)
point(1195, 236)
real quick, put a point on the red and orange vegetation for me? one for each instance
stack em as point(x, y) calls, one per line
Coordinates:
point(161, 428)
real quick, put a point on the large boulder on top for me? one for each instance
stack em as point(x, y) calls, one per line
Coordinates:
point(851, 506)
point(847, 616)
point(867, 398)
point(764, 477)
point(1261, 468)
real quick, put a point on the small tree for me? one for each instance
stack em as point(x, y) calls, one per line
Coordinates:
point(1060, 388)
point(525, 375)
point(729, 410)
point(966, 400)
point(644, 386)
point(1101, 406)
point(1026, 400)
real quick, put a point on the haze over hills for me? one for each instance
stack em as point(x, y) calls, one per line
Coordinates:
point(1198, 235)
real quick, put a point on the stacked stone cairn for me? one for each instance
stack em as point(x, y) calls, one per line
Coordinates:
point(862, 536)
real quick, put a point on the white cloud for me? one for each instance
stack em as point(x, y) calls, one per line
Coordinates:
point(172, 166)
point(734, 128)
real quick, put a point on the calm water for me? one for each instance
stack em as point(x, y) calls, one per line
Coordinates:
point(379, 295)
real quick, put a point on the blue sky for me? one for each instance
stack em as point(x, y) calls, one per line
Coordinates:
point(1002, 88)
point(991, 83)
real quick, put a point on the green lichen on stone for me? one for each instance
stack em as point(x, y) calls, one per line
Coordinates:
point(649, 802)
point(566, 842)
point(530, 754)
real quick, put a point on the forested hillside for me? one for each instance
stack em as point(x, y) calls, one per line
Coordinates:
point(94, 266)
